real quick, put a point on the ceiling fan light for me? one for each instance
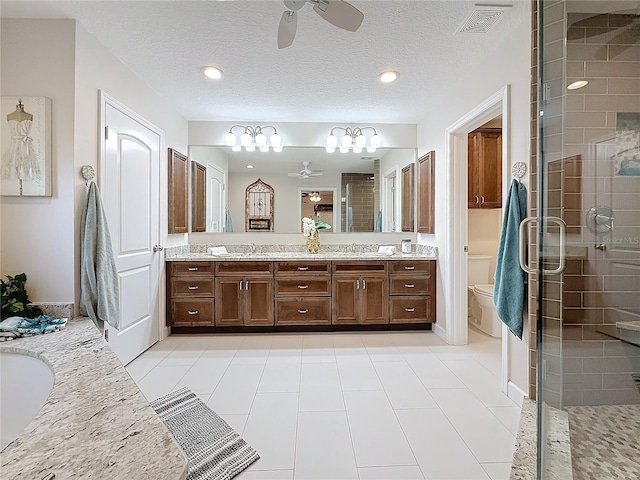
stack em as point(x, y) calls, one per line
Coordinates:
point(276, 140)
point(330, 149)
point(250, 148)
point(375, 141)
point(344, 149)
point(264, 148)
point(357, 149)
point(236, 148)
point(230, 139)
point(277, 149)
point(261, 139)
point(245, 139)
point(345, 141)
point(332, 141)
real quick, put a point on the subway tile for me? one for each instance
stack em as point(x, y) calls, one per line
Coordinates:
point(624, 53)
point(571, 300)
point(571, 365)
point(620, 103)
point(592, 21)
point(611, 397)
point(586, 52)
point(576, 69)
point(576, 35)
point(572, 398)
point(612, 381)
point(574, 135)
point(582, 381)
point(613, 69)
point(623, 86)
point(582, 349)
point(611, 365)
point(572, 332)
point(622, 20)
point(595, 85)
point(616, 348)
point(611, 299)
point(592, 332)
point(611, 36)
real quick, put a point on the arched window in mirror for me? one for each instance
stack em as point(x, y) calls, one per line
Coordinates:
point(259, 207)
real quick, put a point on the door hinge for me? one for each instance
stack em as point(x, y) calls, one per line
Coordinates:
point(106, 132)
point(106, 335)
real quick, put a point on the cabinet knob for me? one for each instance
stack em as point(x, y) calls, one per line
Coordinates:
point(303, 269)
point(193, 287)
point(303, 310)
point(409, 285)
point(193, 312)
point(409, 309)
point(303, 286)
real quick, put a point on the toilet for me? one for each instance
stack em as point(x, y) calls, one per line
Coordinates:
point(481, 310)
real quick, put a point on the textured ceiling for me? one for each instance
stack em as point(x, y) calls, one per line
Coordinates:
point(327, 75)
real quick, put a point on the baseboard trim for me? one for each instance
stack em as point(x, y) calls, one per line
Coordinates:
point(441, 332)
point(515, 393)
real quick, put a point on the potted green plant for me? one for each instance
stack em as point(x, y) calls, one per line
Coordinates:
point(15, 301)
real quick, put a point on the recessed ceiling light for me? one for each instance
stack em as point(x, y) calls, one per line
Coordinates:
point(249, 166)
point(212, 72)
point(389, 76)
point(577, 85)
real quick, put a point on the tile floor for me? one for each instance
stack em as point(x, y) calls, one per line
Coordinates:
point(367, 406)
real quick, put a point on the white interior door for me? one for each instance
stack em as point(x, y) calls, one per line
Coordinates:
point(130, 182)
point(389, 202)
point(215, 199)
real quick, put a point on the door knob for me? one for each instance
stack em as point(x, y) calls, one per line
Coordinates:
point(157, 248)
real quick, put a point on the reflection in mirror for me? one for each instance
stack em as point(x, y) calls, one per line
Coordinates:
point(318, 204)
point(366, 195)
point(258, 211)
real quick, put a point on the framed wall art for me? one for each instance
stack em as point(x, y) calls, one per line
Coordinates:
point(25, 164)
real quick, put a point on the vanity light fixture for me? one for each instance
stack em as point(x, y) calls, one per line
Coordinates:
point(353, 138)
point(388, 76)
point(577, 85)
point(252, 138)
point(315, 197)
point(212, 72)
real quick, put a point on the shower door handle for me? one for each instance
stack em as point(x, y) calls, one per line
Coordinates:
point(561, 245)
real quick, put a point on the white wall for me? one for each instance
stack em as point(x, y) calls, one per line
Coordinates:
point(396, 160)
point(508, 64)
point(37, 235)
point(97, 69)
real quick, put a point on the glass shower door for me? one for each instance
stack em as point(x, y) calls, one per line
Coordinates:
point(587, 174)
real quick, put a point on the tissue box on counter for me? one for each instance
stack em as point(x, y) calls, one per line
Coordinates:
point(388, 249)
point(217, 251)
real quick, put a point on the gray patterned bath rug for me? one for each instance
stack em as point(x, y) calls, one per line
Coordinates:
point(215, 451)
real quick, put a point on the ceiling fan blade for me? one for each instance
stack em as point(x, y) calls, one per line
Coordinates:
point(340, 13)
point(287, 28)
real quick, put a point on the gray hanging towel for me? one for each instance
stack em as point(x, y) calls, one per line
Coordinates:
point(228, 224)
point(509, 287)
point(99, 291)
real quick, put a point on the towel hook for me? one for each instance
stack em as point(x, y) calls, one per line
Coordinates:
point(88, 173)
point(519, 170)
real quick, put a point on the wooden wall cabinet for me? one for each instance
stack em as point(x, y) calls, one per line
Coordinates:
point(426, 192)
point(485, 168)
point(407, 199)
point(198, 197)
point(178, 184)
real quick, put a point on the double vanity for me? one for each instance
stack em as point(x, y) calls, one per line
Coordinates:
point(273, 291)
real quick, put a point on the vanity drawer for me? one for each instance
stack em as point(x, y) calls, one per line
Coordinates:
point(414, 309)
point(360, 267)
point(409, 285)
point(411, 266)
point(244, 268)
point(296, 286)
point(192, 287)
point(303, 311)
point(302, 268)
point(191, 269)
point(191, 312)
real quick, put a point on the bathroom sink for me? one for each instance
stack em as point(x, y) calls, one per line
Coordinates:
point(26, 382)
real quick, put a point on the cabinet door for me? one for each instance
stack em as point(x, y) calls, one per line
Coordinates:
point(198, 197)
point(346, 300)
point(407, 198)
point(230, 304)
point(426, 189)
point(490, 172)
point(178, 191)
point(474, 166)
point(258, 301)
point(375, 300)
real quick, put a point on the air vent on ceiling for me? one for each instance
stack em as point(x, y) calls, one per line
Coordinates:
point(482, 18)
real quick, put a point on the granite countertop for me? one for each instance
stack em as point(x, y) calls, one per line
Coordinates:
point(292, 256)
point(95, 423)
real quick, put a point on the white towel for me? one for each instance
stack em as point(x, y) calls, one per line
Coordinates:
point(218, 251)
point(388, 249)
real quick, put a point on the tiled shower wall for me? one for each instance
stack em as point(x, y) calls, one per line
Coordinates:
point(360, 199)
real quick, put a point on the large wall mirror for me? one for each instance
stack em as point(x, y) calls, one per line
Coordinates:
point(352, 192)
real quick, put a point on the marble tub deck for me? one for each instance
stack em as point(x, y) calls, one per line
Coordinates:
point(95, 423)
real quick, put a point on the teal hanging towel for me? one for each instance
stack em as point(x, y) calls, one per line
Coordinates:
point(509, 287)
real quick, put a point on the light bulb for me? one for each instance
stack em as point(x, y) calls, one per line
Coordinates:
point(245, 139)
point(361, 141)
point(250, 148)
point(375, 141)
point(344, 149)
point(261, 139)
point(276, 141)
point(264, 148)
point(236, 148)
point(346, 141)
point(371, 149)
point(277, 149)
point(230, 139)
point(332, 141)
point(357, 149)
point(212, 72)
point(330, 149)
point(388, 76)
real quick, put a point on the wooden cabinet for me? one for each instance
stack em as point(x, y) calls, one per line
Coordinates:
point(426, 192)
point(190, 294)
point(198, 197)
point(245, 294)
point(412, 292)
point(485, 168)
point(178, 192)
point(303, 293)
point(407, 199)
point(360, 292)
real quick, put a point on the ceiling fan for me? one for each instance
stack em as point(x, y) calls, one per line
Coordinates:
point(337, 12)
point(305, 172)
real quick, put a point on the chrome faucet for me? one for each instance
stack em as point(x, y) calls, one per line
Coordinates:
point(252, 248)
